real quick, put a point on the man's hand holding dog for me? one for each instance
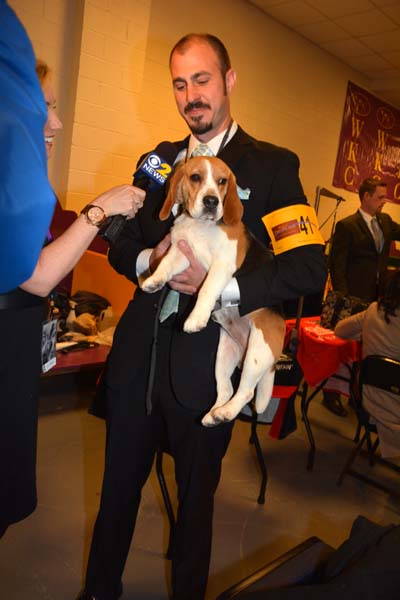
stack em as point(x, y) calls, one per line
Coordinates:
point(190, 280)
point(159, 252)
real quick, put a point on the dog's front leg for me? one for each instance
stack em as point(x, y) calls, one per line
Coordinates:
point(171, 264)
point(217, 278)
point(229, 355)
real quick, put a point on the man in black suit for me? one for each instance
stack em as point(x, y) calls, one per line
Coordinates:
point(183, 387)
point(359, 254)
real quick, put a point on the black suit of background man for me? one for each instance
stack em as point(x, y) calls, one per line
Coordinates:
point(184, 383)
point(357, 268)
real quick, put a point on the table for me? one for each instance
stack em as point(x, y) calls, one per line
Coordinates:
point(319, 353)
point(81, 360)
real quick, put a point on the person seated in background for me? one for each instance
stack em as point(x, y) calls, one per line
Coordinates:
point(359, 254)
point(379, 329)
point(22, 313)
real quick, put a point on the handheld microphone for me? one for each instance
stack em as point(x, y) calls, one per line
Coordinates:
point(152, 173)
point(329, 194)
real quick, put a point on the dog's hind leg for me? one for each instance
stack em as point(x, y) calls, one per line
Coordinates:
point(264, 389)
point(229, 356)
point(259, 360)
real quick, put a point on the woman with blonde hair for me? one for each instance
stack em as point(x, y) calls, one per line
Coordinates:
point(22, 312)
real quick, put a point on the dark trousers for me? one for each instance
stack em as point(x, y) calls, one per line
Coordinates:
point(132, 440)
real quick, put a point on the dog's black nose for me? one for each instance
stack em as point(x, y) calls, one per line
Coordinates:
point(210, 202)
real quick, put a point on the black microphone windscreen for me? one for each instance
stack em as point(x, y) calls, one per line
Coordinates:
point(153, 172)
point(168, 151)
point(329, 194)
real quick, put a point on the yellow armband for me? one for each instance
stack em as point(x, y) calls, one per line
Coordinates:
point(291, 227)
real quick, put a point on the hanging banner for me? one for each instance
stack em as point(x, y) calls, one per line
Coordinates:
point(369, 144)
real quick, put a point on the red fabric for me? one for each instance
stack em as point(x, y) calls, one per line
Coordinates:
point(276, 424)
point(284, 393)
point(320, 352)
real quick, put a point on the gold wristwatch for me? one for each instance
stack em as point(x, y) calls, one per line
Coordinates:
point(94, 214)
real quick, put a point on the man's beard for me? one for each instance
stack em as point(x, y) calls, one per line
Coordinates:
point(199, 128)
point(196, 125)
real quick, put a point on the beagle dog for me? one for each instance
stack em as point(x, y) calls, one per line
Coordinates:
point(210, 222)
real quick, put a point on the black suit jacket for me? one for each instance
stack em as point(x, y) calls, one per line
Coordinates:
point(355, 265)
point(271, 174)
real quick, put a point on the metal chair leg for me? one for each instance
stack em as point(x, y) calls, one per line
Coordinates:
point(167, 502)
point(350, 460)
point(264, 474)
point(370, 448)
point(357, 435)
point(304, 404)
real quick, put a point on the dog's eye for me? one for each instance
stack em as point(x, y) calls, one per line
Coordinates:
point(195, 177)
point(222, 181)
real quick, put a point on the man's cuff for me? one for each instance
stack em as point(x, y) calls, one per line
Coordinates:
point(143, 265)
point(230, 295)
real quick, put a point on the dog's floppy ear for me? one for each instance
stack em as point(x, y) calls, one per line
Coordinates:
point(172, 194)
point(233, 208)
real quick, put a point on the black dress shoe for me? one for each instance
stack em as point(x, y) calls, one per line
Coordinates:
point(332, 402)
point(85, 596)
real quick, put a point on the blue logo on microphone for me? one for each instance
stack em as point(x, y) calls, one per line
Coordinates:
point(155, 167)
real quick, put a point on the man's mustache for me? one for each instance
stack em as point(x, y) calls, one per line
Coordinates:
point(192, 105)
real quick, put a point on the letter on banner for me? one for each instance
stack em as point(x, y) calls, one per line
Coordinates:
point(291, 227)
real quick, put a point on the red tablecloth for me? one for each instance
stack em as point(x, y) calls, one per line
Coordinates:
point(320, 351)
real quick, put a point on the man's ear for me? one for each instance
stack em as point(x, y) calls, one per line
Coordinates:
point(230, 80)
point(173, 192)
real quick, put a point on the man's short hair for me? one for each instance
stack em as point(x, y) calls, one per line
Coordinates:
point(369, 185)
point(223, 57)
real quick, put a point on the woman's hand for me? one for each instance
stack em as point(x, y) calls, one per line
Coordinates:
point(123, 200)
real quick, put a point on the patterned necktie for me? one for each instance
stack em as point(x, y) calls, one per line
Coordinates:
point(171, 302)
point(170, 306)
point(377, 233)
point(202, 150)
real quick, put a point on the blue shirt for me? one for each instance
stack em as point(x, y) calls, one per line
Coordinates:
point(26, 198)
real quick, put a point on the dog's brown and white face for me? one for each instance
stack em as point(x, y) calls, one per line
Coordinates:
point(206, 189)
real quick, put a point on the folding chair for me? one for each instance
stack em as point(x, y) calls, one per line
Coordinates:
point(382, 373)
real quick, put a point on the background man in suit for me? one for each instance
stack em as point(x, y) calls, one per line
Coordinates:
point(184, 383)
point(359, 254)
point(361, 244)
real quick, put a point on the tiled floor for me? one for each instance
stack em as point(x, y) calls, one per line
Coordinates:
point(43, 557)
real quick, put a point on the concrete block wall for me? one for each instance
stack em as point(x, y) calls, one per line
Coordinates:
point(289, 92)
point(108, 135)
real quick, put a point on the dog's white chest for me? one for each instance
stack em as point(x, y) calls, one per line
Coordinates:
point(207, 240)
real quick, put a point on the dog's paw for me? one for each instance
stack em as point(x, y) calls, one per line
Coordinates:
point(208, 420)
point(194, 323)
point(223, 414)
point(152, 285)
